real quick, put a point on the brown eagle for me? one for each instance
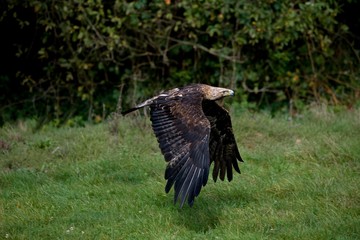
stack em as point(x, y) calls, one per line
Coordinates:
point(193, 131)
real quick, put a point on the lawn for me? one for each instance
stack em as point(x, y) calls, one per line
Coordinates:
point(300, 180)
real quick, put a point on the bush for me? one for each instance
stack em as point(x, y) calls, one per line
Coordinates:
point(79, 57)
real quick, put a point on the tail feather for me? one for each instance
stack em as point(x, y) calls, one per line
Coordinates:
point(129, 111)
point(141, 105)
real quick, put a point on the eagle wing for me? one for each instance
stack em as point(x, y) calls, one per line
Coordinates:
point(183, 133)
point(223, 148)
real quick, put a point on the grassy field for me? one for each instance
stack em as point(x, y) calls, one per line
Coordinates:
point(300, 180)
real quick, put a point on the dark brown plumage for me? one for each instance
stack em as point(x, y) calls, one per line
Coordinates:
point(193, 131)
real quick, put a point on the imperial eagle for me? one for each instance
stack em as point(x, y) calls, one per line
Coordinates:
point(193, 131)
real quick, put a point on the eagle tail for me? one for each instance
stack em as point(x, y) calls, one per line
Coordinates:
point(129, 111)
point(141, 105)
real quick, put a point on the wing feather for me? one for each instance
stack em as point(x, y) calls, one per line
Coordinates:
point(223, 148)
point(223, 162)
point(183, 134)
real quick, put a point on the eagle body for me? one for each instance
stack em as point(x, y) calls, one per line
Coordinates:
point(193, 131)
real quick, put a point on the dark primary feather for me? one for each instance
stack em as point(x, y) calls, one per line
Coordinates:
point(183, 134)
point(223, 148)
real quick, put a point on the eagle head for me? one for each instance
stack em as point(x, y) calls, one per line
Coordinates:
point(216, 93)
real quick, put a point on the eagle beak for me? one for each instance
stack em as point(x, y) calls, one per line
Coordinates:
point(228, 92)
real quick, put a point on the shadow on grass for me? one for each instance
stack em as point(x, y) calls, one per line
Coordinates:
point(209, 208)
point(201, 218)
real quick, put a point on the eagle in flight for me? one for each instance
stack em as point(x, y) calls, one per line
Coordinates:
point(193, 131)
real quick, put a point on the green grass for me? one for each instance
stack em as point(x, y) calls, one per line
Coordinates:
point(300, 180)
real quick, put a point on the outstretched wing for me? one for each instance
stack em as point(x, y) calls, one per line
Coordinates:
point(223, 148)
point(183, 133)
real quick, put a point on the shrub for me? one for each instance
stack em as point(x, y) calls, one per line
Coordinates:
point(79, 57)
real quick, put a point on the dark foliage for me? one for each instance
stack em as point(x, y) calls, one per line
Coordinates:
point(62, 59)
